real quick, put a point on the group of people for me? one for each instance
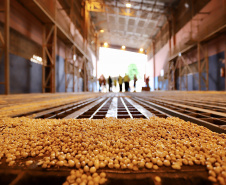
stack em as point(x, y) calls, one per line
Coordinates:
point(121, 80)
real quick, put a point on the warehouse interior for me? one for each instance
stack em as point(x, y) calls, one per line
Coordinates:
point(60, 125)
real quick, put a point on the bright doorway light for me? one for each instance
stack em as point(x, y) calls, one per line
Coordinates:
point(115, 62)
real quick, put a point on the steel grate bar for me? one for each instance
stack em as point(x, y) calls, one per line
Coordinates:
point(152, 109)
point(141, 109)
point(194, 108)
point(99, 108)
point(185, 117)
point(85, 109)
point(206, 116)
point(64, 111)
point(40, 113)
point(112, 111)
point(196, 104)
point(126, 107)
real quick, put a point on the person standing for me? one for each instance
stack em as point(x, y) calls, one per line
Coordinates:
point(115, 83)
point(126, 81)
point(134, 82)
point(120, 81)
point(110, 83)
point(101, 81)
point(147, 81)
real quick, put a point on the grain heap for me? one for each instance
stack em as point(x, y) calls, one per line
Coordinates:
point(126, 144)
point(38, 102)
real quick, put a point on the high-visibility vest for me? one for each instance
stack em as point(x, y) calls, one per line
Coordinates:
point(126, 78)
point(120, 80)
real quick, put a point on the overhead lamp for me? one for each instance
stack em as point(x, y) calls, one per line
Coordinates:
point(123, 47)
point(128, 5)
point(186, 5)
point(141, 50)
point(101, 31)
point(105, 44)
point(74, 57)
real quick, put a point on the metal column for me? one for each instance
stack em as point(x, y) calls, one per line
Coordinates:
point(225, 60)
point(85, 74)
point(153, 44)
point(4, 40)
point(199, 64)
point(205, 63)
point(69, 65)
point(73, 54)
point(49, 58)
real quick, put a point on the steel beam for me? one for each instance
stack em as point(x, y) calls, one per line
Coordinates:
point(207, 67)
point(85, 75)
point(66, 68)
point(199, 64)
point(153, 44)
point(49, 58)
point(170, 34)
point(4, 39)
point(101, 7)
point(171, 75)
point(7, 17)
point(225, 50)
point(69, 65)
point(73, 53)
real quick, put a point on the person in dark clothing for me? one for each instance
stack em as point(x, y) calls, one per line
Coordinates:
point(110, 83)
point(126, 81)
point(120, 81)
point(134, 83)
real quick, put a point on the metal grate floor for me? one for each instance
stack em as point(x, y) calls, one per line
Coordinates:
point(211, 114)
point(134, 105)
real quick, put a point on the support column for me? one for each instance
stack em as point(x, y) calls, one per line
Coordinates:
point(199, 64)
point(169, 76)
point(207, 67)
point(69, 65)
point(153, 46)
point(174, 32)
point(49, 58)
point(7, 12)
point(66, 68)
point(96, 50)
point(73, 54)
point(170, 34)
point(180, 73)
point(85, 75)
point(225, 59)
point(5, 46)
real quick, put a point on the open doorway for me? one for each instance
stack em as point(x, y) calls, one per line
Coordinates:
point(114, 62)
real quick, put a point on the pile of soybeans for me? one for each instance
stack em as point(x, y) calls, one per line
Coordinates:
point(124, 144)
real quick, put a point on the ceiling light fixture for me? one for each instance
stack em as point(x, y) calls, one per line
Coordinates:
point(105, 44)
point(101, 31)
point(141, 50)
point(123, 47)
point(128, 5)
point(186, 5)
